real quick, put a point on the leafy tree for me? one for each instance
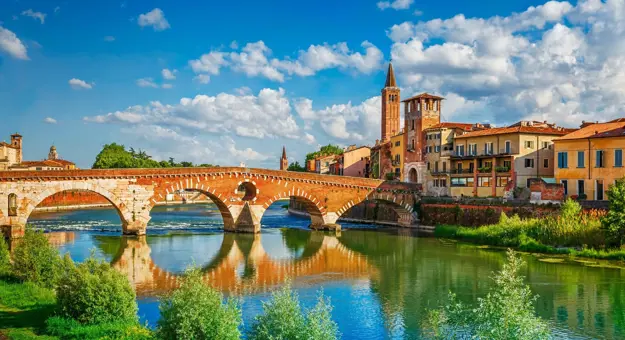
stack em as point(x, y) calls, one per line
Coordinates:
point(326, 150)
point(115, 156)
point(196, 311)
point(186, 164)
point(296, 167)
point(507, 312)
point(283, 319)
point(5, 257)
point(94, 292)
point(614, 221)
point(36, 260)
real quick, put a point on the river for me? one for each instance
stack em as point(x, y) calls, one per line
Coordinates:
point(381, 282)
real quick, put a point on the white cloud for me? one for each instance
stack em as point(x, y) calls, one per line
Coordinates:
point(417, 13)
point(35, 15)
point(167, 86)
point(146, 82)
point(109, 38)
point(169, 74)
point(12, 45)
point(255, 60)
point(154, 18)
point(309, 139)
point(49, 120)
point(78, 84)
point(234, 45)
point(395, 4)
point(202, 78)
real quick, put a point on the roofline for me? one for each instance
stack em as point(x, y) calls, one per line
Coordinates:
point(511, 133)
point(420, 95)
point(561, 139)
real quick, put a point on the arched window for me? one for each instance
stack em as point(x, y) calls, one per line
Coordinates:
point(12, 205)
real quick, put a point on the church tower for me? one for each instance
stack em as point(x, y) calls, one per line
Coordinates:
point(284, 162)
point(390, 106)
point(53, 155)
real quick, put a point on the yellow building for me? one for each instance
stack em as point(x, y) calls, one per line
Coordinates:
point(439, 146)
point(590, 159)
point(11, 153)
point(489, 161)
point(397, 154)
point(354, 161)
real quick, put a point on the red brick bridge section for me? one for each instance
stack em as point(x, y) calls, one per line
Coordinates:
point(241, 194)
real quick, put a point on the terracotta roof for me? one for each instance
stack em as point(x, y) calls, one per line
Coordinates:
point(390, 77)
point(59, 163)
point(517, 129)
point(423, 95)
point(451, 125)
point(615, 128)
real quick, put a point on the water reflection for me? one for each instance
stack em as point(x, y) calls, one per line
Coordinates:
point(242, 265)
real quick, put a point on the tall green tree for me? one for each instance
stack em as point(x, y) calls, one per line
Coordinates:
point(614, 221)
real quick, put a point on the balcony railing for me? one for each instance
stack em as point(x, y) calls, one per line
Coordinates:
point(502, 169)
point(461, 171)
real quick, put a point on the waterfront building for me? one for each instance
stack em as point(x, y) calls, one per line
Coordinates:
point(11, 153)
point(489, 161)
point(397, 155)
point(11, 158)
point(421, 112)
point(439, 146)
point(354, 161)
point(322, 164)
point(589, 160)
point(284, 161)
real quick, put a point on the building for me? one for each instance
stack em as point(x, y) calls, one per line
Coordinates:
point(421, 113)
point(439, 146)
point(322, 164)
point(355, 161)
point(310, 165)
point(11, 153)
point(486, 161)
point(390, 106)
point(52, 163)
point(336, 165)
point(381, 163)
point(590, 159)
point(284, 161)
point(397, 155)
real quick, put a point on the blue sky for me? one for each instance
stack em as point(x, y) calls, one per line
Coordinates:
point(225, 82)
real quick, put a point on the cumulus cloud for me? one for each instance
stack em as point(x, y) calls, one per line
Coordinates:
point(395, 4)
point(78, 84)
point(12, 45)
point(49, 120)
point(35, 15)
point(202, 78)
point(169, 74)
point(255, 60)
point(154, 18)
point(555, 61)
point(146, 82)
point(167, 86)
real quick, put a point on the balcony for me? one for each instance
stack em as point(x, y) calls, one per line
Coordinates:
point(462, 171)
point(465, 155)
point(439, 172)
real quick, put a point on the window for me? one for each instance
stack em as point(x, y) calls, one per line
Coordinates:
point(462, 182)
point(484, 181)
point(12, 205)
point(502, 181)
point(459, 167)
point(529, 162)
point(508, 147)
point(428, 165)
point(580, 159)
point(487, 164)
point(444, 166)
point(397, 158)
point(580, 187)
point(565, 184)
point(563, 160)
point(397, 171)
point(443, 183)
point(488, 148)
point(529, 144)
point(435, 183)
point(472, 149)
point(546, 163)
point(436, 166)
point(618, 158)
point(437, 148)
point(599, 190)
point(545, 145)
point(507, 164)
point(412, 124)
point(412, 144)
point(599, 158)
point(460, 150)
point(397, 143)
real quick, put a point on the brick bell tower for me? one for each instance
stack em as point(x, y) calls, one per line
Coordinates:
point(390, 106)
point(284, 162)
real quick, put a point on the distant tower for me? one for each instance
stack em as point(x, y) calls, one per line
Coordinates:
point(390, 106)
point(52, 155)
point(16, 141)
point(284, 162)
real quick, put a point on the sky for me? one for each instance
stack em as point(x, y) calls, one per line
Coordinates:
point(225, 82)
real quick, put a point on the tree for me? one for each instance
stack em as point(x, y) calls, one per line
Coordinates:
point(613, 223)
point(296, 167)
point(36, 260)
point(5, 257)
point(326, 150)
point(196, 311)
point(507, 312)
point(115, 156)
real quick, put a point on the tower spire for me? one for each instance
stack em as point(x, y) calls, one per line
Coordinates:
point(390, 76)
point(283, 152)
point(284, 162)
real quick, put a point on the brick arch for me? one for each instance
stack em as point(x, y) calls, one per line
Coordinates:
point(403, 209)
point(314, 206)
point(202, 186)
point(29, 203)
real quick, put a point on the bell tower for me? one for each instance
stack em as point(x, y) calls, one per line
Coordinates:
point(390, 106)
point(284, 162)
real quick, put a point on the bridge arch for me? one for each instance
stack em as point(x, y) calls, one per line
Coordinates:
point(404, 210)
point(309, 202)
point(28, 203)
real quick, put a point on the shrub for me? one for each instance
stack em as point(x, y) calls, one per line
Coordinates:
point(507, 312)
point(614, 221)
point(94, 292)
point(284, 319)
point(36, 260)
point(72, 329)
point(196, 311)
point(5, 257)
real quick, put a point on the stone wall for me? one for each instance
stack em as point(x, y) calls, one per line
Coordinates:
point(73, 198)
point(542, 191)
point(478, 215)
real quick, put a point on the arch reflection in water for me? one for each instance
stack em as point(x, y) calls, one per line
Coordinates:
point(243, 266)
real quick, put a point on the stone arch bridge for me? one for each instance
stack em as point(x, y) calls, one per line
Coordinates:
point(241, 194)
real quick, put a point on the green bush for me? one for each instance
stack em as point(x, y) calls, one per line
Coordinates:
point(283, 319)
point(614, 221)
point(72, 329)
point(94, 292)
point(36, 260)
point(5, 257)
point(507, 312)
point(196, 311)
